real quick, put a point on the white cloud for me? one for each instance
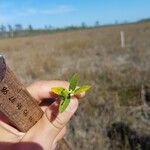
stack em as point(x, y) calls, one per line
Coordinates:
point(60, 9)
point(15, 14)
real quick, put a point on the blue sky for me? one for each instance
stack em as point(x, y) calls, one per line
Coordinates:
point(61, 13)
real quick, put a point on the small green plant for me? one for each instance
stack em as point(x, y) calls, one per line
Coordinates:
point(65, 94)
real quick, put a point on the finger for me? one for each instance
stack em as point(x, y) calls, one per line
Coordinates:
point(42, 89)
point(60, 135)
point(81, 95)
point(9, 134)
point(59, 138)
point(49, 129)
point(57, 122)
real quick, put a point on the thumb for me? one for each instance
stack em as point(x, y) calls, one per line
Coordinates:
point(58, 121)
point(51, 123)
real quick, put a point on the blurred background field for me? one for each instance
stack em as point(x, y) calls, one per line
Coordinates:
point(116, 75)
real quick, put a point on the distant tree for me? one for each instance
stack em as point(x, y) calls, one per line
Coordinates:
point(144, 20)
point(50, 27)
point(45, 27)
point(10, 30)
point(2, 28)
point(125, 22)
point(97, 24)
point(3, 31)
point(18, 27)
point(83, 25)
point(30, 27)
point(116, 22)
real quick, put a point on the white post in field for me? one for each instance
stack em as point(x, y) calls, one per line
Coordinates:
point(122, 39)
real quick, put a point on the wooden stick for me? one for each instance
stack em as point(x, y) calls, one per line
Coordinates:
point(16, 103)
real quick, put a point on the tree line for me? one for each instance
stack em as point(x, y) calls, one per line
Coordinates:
point(10, 31)
point(16, 30)
point(19, 30)
point(16, 27)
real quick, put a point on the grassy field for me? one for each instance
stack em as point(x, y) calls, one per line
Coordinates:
point(116, 75)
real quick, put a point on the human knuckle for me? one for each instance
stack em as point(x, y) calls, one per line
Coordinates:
point(58, 123)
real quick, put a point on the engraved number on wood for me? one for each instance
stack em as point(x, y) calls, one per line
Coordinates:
point(4, 90)
point(12, 99)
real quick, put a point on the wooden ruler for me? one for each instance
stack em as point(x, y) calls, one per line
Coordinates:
point(15, 101)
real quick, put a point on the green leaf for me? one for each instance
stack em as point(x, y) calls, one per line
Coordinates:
point(73, 82)
point(81, 89)
point(65, 93)
point(57, 90)
point(63, 104)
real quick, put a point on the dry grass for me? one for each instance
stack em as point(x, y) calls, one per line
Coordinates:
point(115, 74)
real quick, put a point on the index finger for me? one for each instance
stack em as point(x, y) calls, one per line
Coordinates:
point(42, 89)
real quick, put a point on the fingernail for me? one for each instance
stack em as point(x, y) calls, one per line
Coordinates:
point(72, 105)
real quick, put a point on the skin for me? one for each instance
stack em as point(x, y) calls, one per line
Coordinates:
point(45, 134)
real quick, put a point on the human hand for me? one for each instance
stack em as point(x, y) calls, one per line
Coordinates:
point(45, 134)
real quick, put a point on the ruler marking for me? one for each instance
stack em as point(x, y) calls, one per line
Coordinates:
point(15, 101)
